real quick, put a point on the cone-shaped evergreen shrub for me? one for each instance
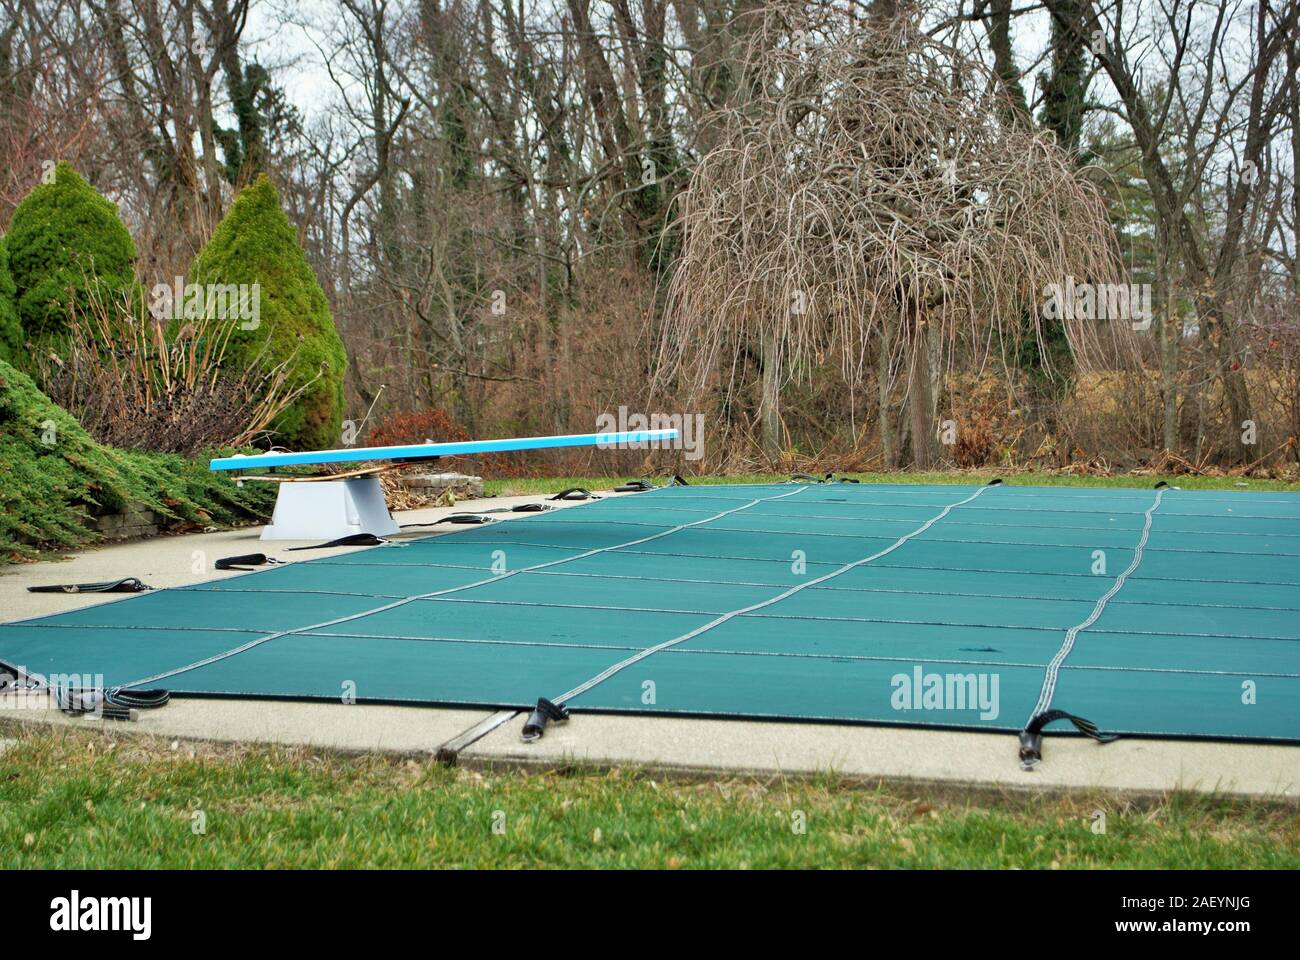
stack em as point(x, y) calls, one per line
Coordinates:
point(63, 238)
point(256, 244)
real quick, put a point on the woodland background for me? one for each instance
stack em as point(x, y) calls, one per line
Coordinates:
point(490, 195)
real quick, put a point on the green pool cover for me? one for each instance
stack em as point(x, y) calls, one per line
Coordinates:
point(1149, 612)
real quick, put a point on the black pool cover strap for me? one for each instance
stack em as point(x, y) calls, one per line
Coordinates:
point(127, 585)
point(460, 518)
point(353, 540)
point(575, 493)
point(244, 561)
point(1031, 738)
point(143, 699)
point(829, 478)
point(544, 712)
point(114, 704)
point(634, 486)
point(473, 518)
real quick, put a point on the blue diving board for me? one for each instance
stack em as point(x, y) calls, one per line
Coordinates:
point(422, 451)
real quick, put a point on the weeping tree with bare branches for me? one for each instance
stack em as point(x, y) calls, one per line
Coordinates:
point(869, 197)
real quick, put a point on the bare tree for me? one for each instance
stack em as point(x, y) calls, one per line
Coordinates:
point(869, 193)
point(1219, 113)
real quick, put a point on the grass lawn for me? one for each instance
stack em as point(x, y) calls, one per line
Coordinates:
point(71, 798)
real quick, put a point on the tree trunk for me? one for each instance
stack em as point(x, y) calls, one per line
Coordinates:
point(769, 406)
point(1169, 333)
point(888, 450)
point(1232, 375)
point(1189, 417)
point(920, 403)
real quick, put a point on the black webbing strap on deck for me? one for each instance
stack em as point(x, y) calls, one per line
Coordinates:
point(545, 712)
point(1031, 738)
point(634, 486)
point(244, 562)
point(11, 678)
point(458, 518)
point(139, 699)
point(127, 585)
point(828, 478)
point(472, 518)
point(112, 704)
point(575, 493)
point(352, 540)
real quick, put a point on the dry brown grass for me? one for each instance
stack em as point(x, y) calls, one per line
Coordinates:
point(134, 383)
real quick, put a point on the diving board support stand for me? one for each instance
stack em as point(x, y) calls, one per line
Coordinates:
point(330, 509)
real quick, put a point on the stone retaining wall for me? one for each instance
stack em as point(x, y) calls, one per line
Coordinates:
point(133, 522)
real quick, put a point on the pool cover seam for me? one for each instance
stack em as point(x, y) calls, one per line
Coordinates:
point(397, 603)
point(555, 520)
point(696, 613)
point(973, 543)
point(1019, 509)
point(1229, 515)
point(1037, 598)
point(820, 563)
point(982, 543)
point(651, 651)
point(1241, 497)
point(984, 523)
point(407, 638)
point(796, 655)
point(1054, 666)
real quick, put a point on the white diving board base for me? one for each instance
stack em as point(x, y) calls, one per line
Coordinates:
point(330, 509)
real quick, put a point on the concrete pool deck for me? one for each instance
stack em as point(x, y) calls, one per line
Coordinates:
point(675, 745)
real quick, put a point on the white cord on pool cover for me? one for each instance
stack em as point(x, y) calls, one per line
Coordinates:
point(1054, 666)
point(650, 651)
point(438, 593)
